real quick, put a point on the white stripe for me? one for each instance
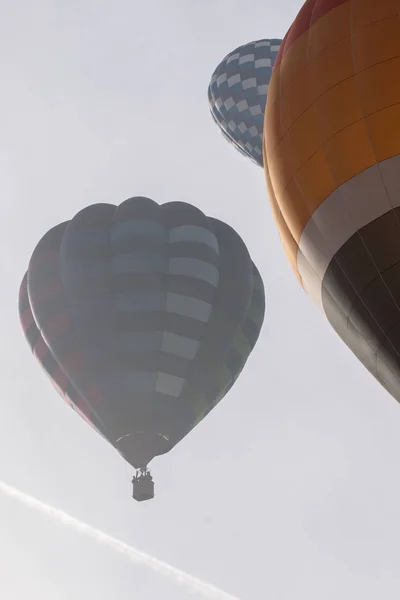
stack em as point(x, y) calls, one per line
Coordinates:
point(356, 203)
point(193, 267)
point(188, 307)
point(193, 233)
point(232, 57)
point(310, 279)
point(246, 58)
point(171, 385)
point(249, 83)
point(263, 62)
point(179, 345)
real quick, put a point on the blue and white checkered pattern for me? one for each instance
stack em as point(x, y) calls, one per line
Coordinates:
point(237, 95)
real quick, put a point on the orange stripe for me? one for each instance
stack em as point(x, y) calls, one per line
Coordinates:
point(311, 11)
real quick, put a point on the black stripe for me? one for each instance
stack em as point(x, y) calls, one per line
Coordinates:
point(137, 282)
point(191, 287)
point(193, 250)
point(149, 362)
point(160, 283)
point(170, 322)
point(361, 298)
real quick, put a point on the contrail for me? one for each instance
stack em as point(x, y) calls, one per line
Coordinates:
point(179, 577)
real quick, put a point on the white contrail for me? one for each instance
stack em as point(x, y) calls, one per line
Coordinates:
point(193, 584)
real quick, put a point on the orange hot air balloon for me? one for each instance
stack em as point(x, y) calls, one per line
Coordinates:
point(332, 163)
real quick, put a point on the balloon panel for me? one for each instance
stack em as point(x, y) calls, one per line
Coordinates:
point(49, 364)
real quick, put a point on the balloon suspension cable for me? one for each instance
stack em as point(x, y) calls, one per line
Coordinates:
point(143, 485)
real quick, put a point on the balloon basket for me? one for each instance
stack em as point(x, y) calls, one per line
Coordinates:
point(143, 486)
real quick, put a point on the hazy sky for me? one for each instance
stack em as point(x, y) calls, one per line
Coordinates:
point(290, 488)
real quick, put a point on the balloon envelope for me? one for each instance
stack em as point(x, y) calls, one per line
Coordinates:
point(332, 163)
point(143, 316)
point(237, 95)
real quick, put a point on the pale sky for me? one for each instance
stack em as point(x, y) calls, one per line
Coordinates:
point(290, 487)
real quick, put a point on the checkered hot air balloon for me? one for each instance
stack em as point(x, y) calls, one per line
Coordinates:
point(332, 163)
point(143, 316)
point(237, 95)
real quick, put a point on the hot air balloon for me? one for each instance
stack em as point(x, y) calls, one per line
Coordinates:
point(143, 316)
point(332, 164)
point(237, 95)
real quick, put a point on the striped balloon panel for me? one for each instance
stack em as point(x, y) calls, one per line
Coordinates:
point(47, 301)
point(226, 319)
point(49, 364)
point(243, 343)
point(332, 148)
point(237, 94)
point(152, 298)
point(247, 336)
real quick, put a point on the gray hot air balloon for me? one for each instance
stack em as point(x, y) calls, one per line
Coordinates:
point(143, 316)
